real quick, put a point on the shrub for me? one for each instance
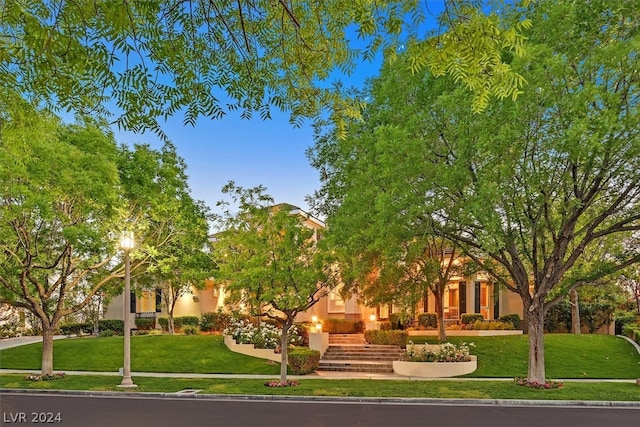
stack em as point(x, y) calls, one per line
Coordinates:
point(428, 320)
point(265, 335)
point(217, 321)
point(190, 330)
point(385, 326)
point(164, 323)
point(76, 328)
point(481, 325)
point(380, 337)
point(107, 333)
point(470, 318)
point(446, 352)
point(145, 323)
point(624, 318)
point(182, 321)
point(114, 325)
point(513, 319)
point(340, 326)
point(398, 321)
point(632, 331)
point(302, 361)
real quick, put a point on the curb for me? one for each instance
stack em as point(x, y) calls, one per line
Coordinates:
point(338, 400)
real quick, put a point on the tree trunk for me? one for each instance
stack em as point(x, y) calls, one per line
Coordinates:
point(170, 325)
point(284, 343)
point(47, 350)
point(535, 320)
point(575, 312)
point(442, 335)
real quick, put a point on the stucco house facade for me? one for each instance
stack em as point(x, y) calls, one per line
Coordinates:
point(474, 294)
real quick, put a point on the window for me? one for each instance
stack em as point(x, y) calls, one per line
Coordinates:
point(335, 301)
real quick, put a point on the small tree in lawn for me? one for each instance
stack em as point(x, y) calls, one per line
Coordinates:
point(270, 259)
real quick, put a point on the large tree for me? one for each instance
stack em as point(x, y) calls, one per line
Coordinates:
point(67, 191)
point(58, 208)
point(177, 236)
point(270, 260)
point(155, 58)
point(525, 188)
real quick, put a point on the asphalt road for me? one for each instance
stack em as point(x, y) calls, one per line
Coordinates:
point(121, 411)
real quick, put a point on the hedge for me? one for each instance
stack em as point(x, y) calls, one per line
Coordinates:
point(115, 325)
point(178, 322)
point(379, 337)
point(491, 325)
point(469, 318)
point(76, 328)
point(341, 326)
point(302, 361)
point(428, 320)
point(514, 319)
point(217, 321)
point(145, 323)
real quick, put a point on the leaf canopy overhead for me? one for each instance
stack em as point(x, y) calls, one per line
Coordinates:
point(154, 59)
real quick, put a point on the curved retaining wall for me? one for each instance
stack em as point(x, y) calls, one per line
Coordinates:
point(251, 350)
point(435, 369)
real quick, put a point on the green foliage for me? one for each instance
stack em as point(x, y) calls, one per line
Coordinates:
point(533, 190)
point(303, 361)
point(428, 320)
point(513, 319)
point(145, 323)
point(149, 353)
point(632, 331)
point(153, 58)
point(190, 330)
point(446, 352)
point(386, 326)
point(602, 391)
point(164, 323)
point(217, 321)
point(114, 325)
point(381, 337)
point(471, 318)
point(492, 325)
point(341, 326)
point(593, 314)
point(76, 328)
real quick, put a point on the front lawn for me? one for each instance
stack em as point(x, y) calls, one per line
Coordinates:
point(566, 356)
point(342, 388)
point(149, 353)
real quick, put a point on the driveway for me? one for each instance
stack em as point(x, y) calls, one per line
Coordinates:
point(18, 341)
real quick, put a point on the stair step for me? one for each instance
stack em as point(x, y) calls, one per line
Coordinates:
point(355, 366)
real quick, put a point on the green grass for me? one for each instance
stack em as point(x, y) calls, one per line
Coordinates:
point(566, 356)
point(164, 353)
point(342, 388)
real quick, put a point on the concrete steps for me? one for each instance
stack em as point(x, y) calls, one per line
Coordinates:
point(351, 353)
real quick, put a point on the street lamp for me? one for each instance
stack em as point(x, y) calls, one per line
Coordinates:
point(126, 244)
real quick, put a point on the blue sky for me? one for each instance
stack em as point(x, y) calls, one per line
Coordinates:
point(252, 152)
point(269, 153)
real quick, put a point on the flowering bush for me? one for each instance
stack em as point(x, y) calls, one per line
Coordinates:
point(54, 376)
point(265, 335)
point(446, 352)
point(277, 383)
point(548, 385)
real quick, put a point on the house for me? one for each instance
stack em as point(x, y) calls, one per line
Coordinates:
point(474, 294)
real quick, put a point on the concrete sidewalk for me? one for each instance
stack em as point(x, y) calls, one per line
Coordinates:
point(322, 375)
point(18, 341)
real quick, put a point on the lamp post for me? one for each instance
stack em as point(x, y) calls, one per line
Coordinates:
point(126, 244)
